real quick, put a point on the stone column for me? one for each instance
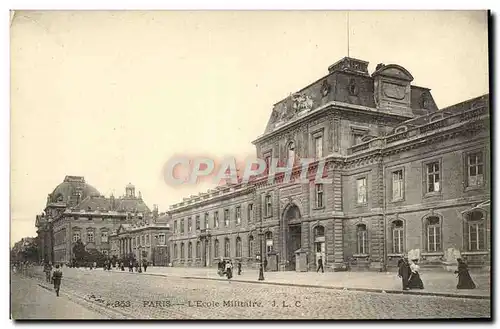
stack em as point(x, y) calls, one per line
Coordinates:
point(338, 242)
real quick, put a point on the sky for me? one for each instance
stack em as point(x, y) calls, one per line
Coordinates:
point(112, 96)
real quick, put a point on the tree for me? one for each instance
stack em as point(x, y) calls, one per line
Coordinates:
point(79, 252)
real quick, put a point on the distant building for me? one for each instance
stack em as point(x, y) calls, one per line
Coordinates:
point(407, 179)
point(77, 211)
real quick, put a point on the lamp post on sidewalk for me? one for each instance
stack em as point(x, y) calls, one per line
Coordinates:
point(261, 269)
point(140, 255)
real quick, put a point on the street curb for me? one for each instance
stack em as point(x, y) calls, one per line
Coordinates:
point(374, 290)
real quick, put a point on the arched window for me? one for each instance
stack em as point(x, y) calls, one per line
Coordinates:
point(319, 231)
point(216, 248)
point(397, 237)
point(433, 234)
point(175, 251)
point(238, 247)
point(198, 249)
point(290, 151)
point(250, 246)
point(182, 250)
point(190, 250)
point(362, 238)
point(475, 231)
point(227, 248)
point(269, 241)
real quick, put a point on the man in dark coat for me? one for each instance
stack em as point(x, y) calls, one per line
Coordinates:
point(145, 264)
point(404, 272)
point(56, 278)
point(320, 265)
point(265, 264)
point(239, 267)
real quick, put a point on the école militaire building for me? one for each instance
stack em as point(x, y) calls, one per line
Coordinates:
point(408, 178)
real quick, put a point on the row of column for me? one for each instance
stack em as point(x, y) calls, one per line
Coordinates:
point(125, 246)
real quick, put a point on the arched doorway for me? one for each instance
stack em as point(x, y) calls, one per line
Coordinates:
point(292, 233)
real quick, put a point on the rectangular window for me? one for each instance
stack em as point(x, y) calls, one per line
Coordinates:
point(175, 226)
point(318, 146)
point(433, 177)
point(197, 222)
point(319, 195)
point(267, 160)
point(397, 185)
point(90, 236)
point(190, 224)
point(182, 226)
point(268, 205)
point(238, 215)
point(162, 238)
point(104, 236)
point(476, 237)
point(250, 212)
point(475, 169)
point(226, 217)
point(76, 236)
point(143, 240)
point(147, 240)
point(434, 238)
point(205, 225)
point(216, 219)
point(397, 241)
point(362, 190)
point(362, 242)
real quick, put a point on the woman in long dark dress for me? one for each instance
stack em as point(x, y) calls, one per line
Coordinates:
point(415, 282)
point(464, 279)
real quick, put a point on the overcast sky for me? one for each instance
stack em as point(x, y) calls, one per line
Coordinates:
point(111, 96)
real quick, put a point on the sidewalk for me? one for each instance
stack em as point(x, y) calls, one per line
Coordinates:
point(30, 301)
point(436, 283)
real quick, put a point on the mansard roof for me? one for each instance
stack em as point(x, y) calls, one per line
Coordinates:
point(347, 82)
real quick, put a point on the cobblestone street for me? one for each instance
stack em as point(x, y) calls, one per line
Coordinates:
point(124, 295)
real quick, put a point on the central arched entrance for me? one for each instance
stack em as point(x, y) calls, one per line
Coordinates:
point(292, 230)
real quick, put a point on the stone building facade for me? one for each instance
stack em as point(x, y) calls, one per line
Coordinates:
point(407, 178)
point(144, 240)
point(77, 211)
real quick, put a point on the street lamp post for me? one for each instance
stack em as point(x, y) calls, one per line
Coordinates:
point(261, 268)
point(140, 255)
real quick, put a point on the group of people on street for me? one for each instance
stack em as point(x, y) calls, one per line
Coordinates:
point(410, 276)
point(225, 268)
point(133, 264)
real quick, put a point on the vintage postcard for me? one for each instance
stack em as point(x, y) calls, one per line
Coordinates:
point(250, 165)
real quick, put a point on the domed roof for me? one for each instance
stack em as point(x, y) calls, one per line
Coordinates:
point(65, 190)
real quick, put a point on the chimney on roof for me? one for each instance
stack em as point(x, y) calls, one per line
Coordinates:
point(112, 199)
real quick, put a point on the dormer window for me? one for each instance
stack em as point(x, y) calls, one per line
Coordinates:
point(436, 117)
point(400, 129)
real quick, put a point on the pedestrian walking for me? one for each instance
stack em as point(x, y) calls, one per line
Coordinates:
point(48, 271)
point(464, 278)
point(145, 265)
point(404, 272)
point(265, 264)
point(415, 282)
point(122, 266)
point(320, 265)
point(56, 279)
point(131, 266)
point(229, 270)
point(221, 267)
point(239, 267)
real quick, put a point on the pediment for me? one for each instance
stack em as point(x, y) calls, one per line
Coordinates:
point(394, 71)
